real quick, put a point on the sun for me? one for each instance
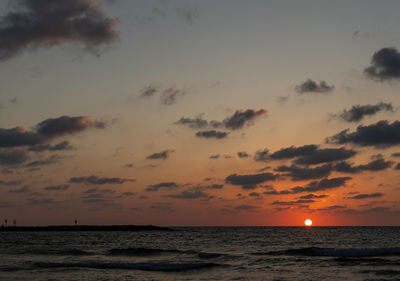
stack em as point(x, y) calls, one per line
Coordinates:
point(308, 222)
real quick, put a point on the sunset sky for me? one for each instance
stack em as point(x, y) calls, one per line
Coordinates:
point(182, 112)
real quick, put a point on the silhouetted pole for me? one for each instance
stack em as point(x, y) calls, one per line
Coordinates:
point(76, 222)
point(5, 222)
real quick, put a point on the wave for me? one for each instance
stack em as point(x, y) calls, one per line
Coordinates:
point(337, 252)
point(65, 252)
point(142, 252)
point(208, 255)
point(147, 266)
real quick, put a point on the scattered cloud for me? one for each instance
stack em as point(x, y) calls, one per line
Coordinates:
point(293, 151)
point(380, 134)
point(358, 112)
point(261, 155)
point(13, 157)
point(189, 194)
point(324, 184)
point(375, 165)
point(56, 187)
point(385, 65)
point(65, 145)
point(37, 24)
point(250, 181)
point(22, 189)
point(305, 173)
point(212, 134)
point(161, 155)
point(365, 196)
point(242, 154)
point(216, 156)
point(311, 86)
point(312, 196)
point(98, 180)
point(325, 155)
point(162, 185)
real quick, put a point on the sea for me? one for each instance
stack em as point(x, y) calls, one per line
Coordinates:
point(204, 253)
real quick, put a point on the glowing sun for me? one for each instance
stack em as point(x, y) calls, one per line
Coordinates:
point(308, 222)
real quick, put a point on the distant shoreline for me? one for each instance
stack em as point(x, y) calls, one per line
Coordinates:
point(85, 228)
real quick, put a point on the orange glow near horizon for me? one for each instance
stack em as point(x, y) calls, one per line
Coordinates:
point(308, 222)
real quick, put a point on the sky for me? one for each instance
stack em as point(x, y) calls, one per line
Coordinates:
point(184, 113)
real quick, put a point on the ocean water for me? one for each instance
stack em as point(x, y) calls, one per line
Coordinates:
point(204, 253)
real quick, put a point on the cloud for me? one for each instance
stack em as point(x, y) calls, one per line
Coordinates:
point(312, 196)
point(292, 152)
point(331, 208)
point(250, 181)
point(46, 23)
point(291, 203)
point(325, 155)
point(365, 196)
point(55, 127)
point(97, 180)
point(311, 86)
point(171, 95)
point(13, 157)
point(65, 145)
point(242, 154)
point(160, 155)
point(163, 206)
point(385, 65)
point(212, 134)
point(358, 112)
point(47, 130)
point(15, 182)
point(237, 121)
point(375, 165)
point(4, 204)
point(189, 194)
point(380, 134)
point(246, 208)
point(162, 185)
point(194, 123)
point(241, 118)
point(51, 160)
point(321, 185)
point(23, 189)
point(188, 14)
point(56, 187)
point(216, 156)
point(40, 201)
point(261, 155)
point(149, 91)
point(298, 173)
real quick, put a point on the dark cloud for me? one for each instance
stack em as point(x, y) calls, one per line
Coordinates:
point(163, 206)
point(149, 91)
point(49, 161)
point(40, 201)
point(261, 155)
point(47, 23)
point(212, 134)
point(214, 186)
point(242, 154)
point(242, 117)
point(46, 130)
point(375, 165)
point(55, 127)
point(396, 154)
point(365, 196)
point(305, 173)
point(325, 155)
point(237, 121)
point(331, 208)
point(246, 208)
point(216, 156)
point(97, 180)
point(250, 181)
point(19, 136)
point(171, 95)
point(292, 152)
point(189, 194)
point(13, 157)
point(65, 145)
point(311, 86)
point(312, 196)
point(255, 194)
point(194, 123)
point(23, 189)
point(397, 166)
point(385, 65)
point(188, 14)
point(56, 187)
point(291, 203)
point(15, 182)
point(160, 155)
point(321, 185)
point(380, 134)
point(358, 112)
point(162, 185)
point(4, 204)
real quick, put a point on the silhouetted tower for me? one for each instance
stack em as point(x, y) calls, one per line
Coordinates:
point(76, 222)
point(15, 222)
point(5, 222)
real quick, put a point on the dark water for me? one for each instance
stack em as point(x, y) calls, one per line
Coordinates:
point(226, 253)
